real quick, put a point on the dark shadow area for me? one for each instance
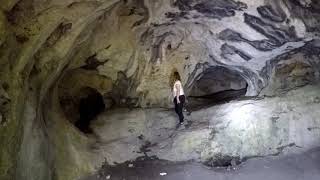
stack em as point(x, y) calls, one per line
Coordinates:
point(214, 86)
point(89, 107)
point(196, 103)
point(223, 161)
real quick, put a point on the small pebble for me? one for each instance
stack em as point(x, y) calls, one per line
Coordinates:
point(130, 165)
point(163, 174)
point(108, 177)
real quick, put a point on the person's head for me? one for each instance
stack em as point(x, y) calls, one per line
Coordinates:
point(173, 78)
point(176, 76)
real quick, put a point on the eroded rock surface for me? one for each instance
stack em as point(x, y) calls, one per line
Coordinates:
point(239, 130)
point(52, 52)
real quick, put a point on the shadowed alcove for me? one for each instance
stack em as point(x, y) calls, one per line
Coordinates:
point(216, 85)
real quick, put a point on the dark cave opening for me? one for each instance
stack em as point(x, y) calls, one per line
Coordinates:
point(89, 107)
point(216, 85)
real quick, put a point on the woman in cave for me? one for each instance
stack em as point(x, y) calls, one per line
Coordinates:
point(178, 94)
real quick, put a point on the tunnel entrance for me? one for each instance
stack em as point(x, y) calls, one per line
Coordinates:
point(81, 106)
point(83, 94)
point(90, 105)
point(216, 85)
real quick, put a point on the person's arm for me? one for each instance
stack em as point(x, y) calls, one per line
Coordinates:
point(178, 92)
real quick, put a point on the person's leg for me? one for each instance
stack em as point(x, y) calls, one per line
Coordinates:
point(182, 99)
point(176, 105)
point(180, 108)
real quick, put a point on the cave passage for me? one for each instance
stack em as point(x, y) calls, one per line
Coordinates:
point(89, 107)
point(216, 85)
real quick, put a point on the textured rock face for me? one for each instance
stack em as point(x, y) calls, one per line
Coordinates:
point(246, 37)
point(193, 36)
point(126, 51)
point(239, 129)
point(215, 80)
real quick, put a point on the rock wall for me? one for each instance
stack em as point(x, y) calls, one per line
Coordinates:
point(36, 49)
point(133, 46)
point(247, 38)
point(236, 130)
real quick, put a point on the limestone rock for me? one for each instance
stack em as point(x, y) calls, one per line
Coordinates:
point(239, 129)
point(126, 52)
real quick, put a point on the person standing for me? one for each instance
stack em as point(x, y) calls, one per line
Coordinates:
point(179, 97)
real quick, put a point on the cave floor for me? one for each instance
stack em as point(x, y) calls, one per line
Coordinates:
point(294, 167)
point(285, 126)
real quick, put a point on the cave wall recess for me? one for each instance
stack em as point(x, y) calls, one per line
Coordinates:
point(125, 51)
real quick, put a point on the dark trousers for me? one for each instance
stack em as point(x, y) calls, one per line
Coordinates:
point(179, 107)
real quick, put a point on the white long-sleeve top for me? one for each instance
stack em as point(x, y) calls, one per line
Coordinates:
point(175, 89)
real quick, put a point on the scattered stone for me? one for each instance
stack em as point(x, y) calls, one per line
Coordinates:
point(130, 165)
point(234, 163)
point(316, 100)
point(223, 161)
point(228, 168)
point(141, 137)
point(163, 174)
point(313, 128)
point(108, 177)
point(188, 124)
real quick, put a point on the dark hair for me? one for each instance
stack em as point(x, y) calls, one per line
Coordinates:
point(175, 76)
